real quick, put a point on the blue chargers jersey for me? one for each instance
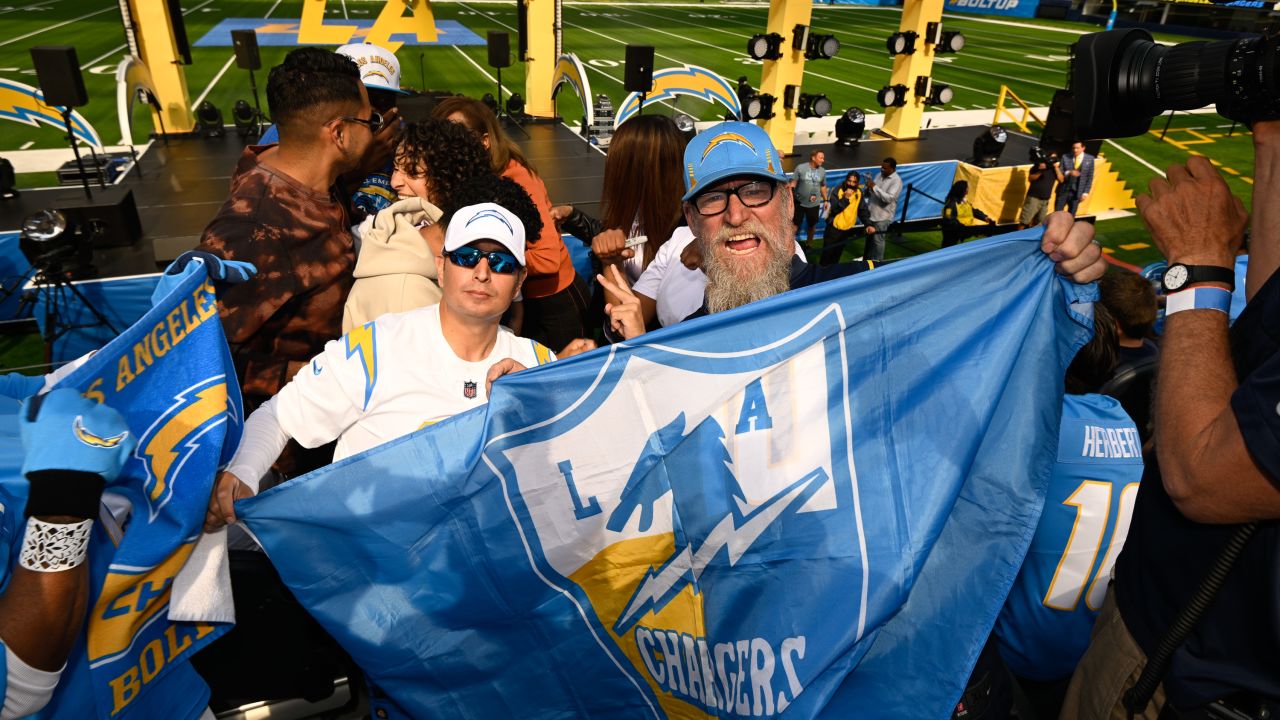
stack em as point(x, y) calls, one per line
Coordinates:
point(1044, 627)
point(180, 694)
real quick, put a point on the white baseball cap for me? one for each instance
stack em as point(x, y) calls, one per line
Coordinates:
point(379, 68)
point(486, 221)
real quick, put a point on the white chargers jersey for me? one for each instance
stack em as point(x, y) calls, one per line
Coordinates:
point(388, 378)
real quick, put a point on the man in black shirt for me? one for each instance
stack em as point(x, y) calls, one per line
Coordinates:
point(1044, 175)
point(746, 240)
point(1218, 446)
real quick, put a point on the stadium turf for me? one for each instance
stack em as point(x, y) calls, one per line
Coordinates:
point(1029, 56)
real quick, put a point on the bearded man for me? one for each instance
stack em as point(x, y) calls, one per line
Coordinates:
point(742, 222)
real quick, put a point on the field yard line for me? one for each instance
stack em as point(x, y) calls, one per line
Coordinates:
point(1128, 152)
point(741, 54)
point(55, 27)
point(477, 66)
point(226, 66)
point(29, 7)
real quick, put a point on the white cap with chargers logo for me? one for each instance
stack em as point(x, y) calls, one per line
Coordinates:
point(379, 68)
point(486, 221)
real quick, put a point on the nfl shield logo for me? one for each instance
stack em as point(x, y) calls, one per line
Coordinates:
point(468, 390)
point(681, 538)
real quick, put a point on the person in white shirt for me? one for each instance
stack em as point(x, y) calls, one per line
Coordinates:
point(402, 371)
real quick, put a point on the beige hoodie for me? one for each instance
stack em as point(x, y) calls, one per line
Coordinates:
point(396, 269)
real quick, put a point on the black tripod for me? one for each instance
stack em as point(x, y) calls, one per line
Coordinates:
point(75, 149)
point(60, 293)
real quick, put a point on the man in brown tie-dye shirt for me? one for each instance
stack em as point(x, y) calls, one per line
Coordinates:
point(286, 217)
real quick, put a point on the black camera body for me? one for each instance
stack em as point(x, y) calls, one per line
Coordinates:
point(1040, 156)
point(1121, 79)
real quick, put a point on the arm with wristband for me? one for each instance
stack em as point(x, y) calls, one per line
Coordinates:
point(74, 447)
point(1206, 467)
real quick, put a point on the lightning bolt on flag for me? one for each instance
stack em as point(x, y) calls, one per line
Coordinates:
point(170, 376)
point(25, 104)
point(688, 80)
point(811, 507)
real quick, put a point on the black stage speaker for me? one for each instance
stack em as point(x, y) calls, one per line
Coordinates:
point(499, 49)
point(522, 29)
point(112, 221)
point(179, 30)
point(246, 44)
point(639, 75)
point(59, 74)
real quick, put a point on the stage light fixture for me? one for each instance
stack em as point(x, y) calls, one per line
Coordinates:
point(243, 116)
point(755, 106)
point(821, 47)
point(765, 46)
point(813, 106)
point(850, 126)
point(515, 104)
point(902, 43)
point(685, 125)
point(56, 245)
point(800, 37)
point(951, 41)
point(988, 146)
point(490, 102)
point(210, 119)
point(892, 95)
point(939, 94)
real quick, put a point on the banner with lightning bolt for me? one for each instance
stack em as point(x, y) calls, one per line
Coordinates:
point(25, 104)
point(671, 83)
point(810, 506)
point(170, 375)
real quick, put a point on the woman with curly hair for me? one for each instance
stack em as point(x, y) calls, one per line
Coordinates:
point(396, 265)
point(555, 298)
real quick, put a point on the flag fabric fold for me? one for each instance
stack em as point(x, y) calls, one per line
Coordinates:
point(812, 506)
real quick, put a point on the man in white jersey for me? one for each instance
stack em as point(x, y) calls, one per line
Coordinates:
point(401, 371)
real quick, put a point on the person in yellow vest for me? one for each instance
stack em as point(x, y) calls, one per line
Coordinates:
point(959, 217)
point(1078, 183)
point(847, 212)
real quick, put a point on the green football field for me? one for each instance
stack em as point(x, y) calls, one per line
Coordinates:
point(1029, 56)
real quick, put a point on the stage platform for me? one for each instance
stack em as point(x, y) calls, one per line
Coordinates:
point(179, 185)
point(938, 145)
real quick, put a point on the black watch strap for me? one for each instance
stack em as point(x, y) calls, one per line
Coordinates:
point(1209, 273)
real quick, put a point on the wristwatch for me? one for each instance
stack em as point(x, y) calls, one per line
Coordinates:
point(1179, 276)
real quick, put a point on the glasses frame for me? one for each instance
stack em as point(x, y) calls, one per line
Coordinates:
point(737, 191)
point(497, 259)
point(374, 123)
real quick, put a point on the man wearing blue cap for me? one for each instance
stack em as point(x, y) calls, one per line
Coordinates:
point(732, 174)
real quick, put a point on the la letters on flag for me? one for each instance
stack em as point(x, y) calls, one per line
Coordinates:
point(812, 506)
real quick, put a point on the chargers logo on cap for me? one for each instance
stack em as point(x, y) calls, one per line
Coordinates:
point(494, 214)
point(727, 137)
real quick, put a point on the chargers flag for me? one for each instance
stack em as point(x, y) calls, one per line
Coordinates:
point(811, 506)
point(170, 376)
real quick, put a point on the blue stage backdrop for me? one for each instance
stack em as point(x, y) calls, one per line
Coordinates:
point(1005, 8)
point(284, 33)
point(929, 179)
point(812, 506)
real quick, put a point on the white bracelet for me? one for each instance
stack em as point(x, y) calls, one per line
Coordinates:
point(54, 547)
point(1199, 298)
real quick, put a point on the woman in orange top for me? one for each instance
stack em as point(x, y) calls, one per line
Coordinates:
point(555, 298)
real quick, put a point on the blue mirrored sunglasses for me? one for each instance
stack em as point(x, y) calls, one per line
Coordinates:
point(503, 263)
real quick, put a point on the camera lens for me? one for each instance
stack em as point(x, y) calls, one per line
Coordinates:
point(1122, 78)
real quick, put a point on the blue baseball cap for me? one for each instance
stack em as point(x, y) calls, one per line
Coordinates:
point(728, 149)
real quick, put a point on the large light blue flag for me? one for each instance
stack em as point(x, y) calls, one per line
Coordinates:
point(812, 506)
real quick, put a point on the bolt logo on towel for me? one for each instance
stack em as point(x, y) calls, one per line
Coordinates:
point(678, 538)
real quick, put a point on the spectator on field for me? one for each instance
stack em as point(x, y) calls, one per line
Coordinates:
point(1044, 175)
point(555, 299)
point(847, 219)
point(396, 267)
point(746, 240)
point(1201, 549)
point(287, 216)
point(1044, 627)
point(960, 219)
point(1132, 303)
point(1077, 182)
point(809, 193)
point(640, 198)
point(882, 206)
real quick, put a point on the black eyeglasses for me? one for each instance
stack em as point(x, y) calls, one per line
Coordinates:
point(752, 194)
point(503, 263)
point(374, 122)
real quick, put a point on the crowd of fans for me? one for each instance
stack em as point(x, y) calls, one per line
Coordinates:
point(440, 237)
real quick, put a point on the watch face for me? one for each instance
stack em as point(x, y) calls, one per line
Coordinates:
point(1175, 277)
